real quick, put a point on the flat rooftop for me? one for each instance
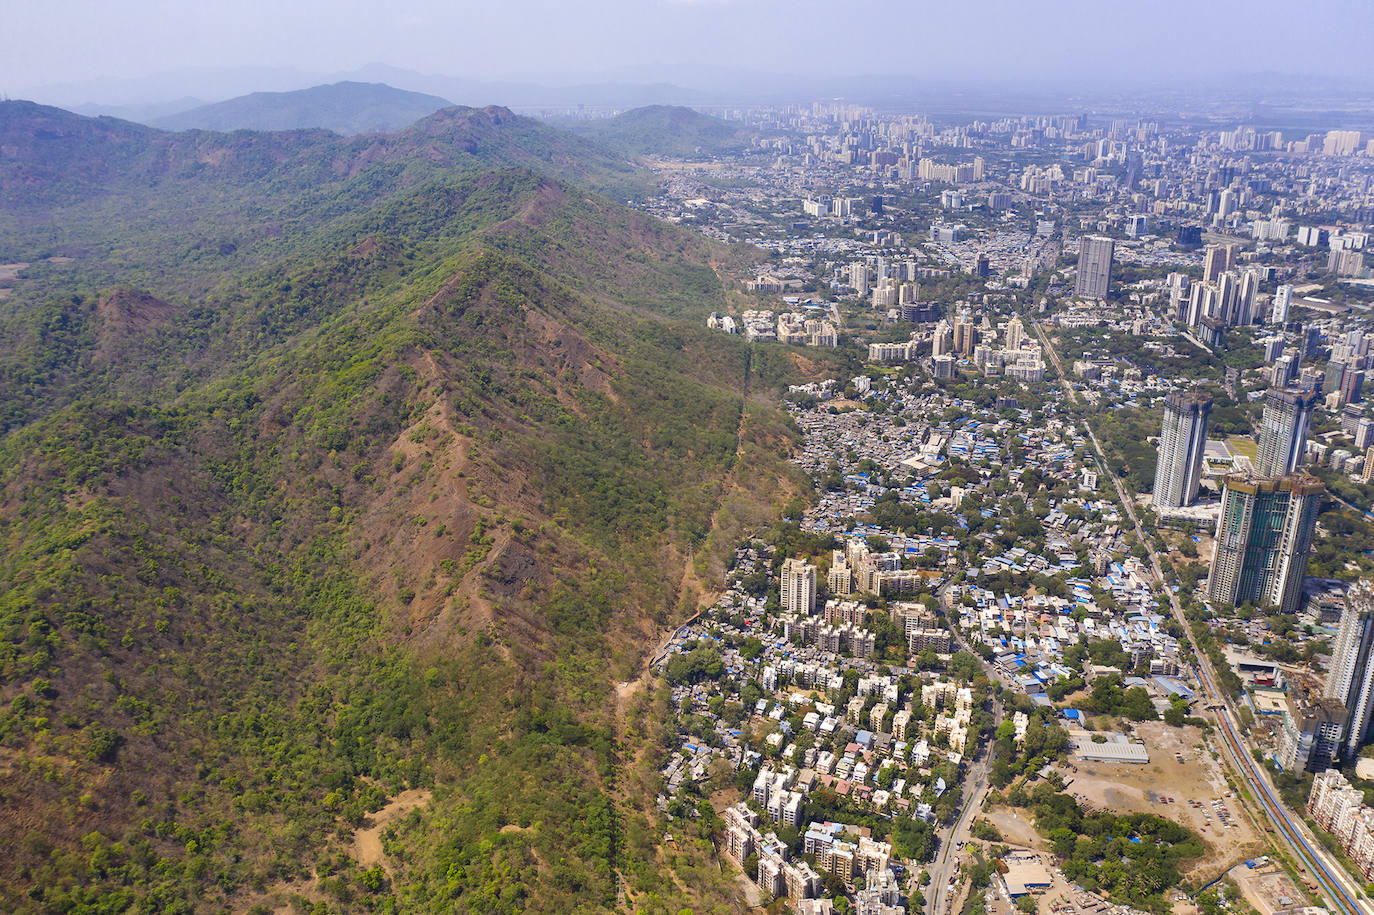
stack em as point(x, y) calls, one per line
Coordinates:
point(1112, 752)
point(1022, 877)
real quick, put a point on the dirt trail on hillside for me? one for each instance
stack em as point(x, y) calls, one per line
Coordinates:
point(367, 841)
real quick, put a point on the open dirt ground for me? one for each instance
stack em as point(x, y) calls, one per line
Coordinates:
point(1267, 888)
point(1183, 782)
point(367, 841)
point(1015, 827)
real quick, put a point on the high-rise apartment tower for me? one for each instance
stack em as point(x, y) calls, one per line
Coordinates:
point(1094, 266)
point(1263, 538)
point(1283, 431)
point(798, 587)
point(1182, 444)
point(1351, 676)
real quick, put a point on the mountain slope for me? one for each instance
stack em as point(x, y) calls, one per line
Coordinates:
point(666, 130)
point(390, 507)
point(344, 107)
point(53, 158)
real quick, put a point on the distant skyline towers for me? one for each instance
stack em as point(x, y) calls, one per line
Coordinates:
point(1263, 538)
point(1228, 298)
point(1220, 258)
point(1178, 296)
point(942, 339)
point(858, 277)
point(1227, 203)
point(965, 335)
point(1182, 444)
point(1245, 307)
point(1283, 299)
point(1016, 333)
point(1202, 299)
point(1094, 266)
point(798, 592)
point(1283, 431)
point(1351, 677)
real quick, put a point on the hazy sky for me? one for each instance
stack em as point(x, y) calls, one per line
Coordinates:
point(50, 42)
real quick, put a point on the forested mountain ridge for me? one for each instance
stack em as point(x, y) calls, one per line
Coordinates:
point(49, 157)
point(345, 107)
point(389, 504)
point(666, 130)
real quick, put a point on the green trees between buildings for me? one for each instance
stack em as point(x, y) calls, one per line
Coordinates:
point(1133, 859)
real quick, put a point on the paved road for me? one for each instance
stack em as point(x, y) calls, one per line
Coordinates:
point(940, 892)
point(976, 790)
point(1355, 508)
point(1336, 885)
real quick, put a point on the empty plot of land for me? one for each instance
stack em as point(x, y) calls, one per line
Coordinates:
point(1015, 827)
point(1245, 446)
point(9, 273)
point(1181, 782)
point(1267, 888)
point(367, 841)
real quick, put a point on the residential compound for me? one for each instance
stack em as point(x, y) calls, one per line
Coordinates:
point(775, 873)
point(811, 327)
point(857, 568)
point(1223, 298)
point(1340, 809)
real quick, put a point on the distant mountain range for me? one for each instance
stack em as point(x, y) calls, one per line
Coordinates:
point(159, 95)
point(54, 157)
point(345, 107)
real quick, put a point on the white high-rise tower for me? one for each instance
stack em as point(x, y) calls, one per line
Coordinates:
point(798, 587)
point(1283, 431)
point(1351, 678)
point(1283, 297)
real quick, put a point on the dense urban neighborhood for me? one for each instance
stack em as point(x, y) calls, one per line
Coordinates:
point(1091, 467)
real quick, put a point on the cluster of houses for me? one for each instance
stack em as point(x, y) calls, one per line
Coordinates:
point(791, 327)
point(848, 853)
point(822, 706)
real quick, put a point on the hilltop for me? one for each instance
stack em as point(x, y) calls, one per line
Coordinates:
point(382, 491)
point(55, 158)
point(344, 107)
point(666, 130)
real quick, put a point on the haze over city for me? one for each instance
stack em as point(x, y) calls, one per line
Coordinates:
point(83, 52)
